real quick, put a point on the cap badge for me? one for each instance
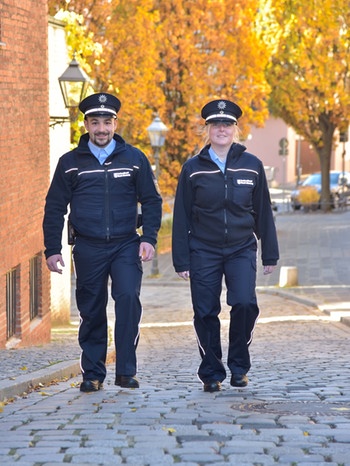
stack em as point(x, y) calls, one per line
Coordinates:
point(102, 99)
point(221, 106)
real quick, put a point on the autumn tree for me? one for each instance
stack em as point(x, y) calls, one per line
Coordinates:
point(171, 58)
point(208, 49)
point(309, 71)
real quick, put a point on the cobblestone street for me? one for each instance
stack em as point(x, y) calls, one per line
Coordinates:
point(295, 410)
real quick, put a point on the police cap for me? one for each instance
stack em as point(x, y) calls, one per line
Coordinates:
point(221, 110)
point(101, 104)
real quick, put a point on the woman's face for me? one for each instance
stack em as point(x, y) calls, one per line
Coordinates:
point(221, 133)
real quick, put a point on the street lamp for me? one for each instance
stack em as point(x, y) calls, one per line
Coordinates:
point(156, 132)
point(299, 160)
point(74, 83)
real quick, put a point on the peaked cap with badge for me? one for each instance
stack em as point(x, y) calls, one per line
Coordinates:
point(221, 110)
point(101, 104)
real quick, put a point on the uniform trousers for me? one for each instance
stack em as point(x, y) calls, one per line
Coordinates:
point(95, 263)
point(208, 266)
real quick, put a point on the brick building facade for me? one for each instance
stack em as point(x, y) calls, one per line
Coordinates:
point(25, 167)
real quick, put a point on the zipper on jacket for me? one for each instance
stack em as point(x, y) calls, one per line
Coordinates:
point(225, 208)
point(107, 213)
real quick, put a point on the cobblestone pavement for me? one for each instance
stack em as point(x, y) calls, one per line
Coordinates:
point(295, 410)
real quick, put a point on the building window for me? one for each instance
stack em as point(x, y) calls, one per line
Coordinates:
point(34, 286)
point(12, 301)
point(1, 42)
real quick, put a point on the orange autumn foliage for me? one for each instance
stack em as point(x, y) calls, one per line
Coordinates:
point(170, 58)
point(309, 45)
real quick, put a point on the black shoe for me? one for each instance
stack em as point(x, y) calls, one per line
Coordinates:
point(239, 380)
point(90, 386)
point(213, 386)
point(126, 381)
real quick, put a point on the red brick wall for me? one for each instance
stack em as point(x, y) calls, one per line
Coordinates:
point(24, 152)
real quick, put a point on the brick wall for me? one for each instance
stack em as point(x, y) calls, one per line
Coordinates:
point(24, 152)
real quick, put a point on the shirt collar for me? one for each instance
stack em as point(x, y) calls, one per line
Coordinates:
point(101, 153)
point(216, 159)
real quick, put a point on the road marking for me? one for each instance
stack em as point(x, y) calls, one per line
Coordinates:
point(261, 320)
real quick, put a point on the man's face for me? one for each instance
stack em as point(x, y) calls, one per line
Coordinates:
point(101, 129)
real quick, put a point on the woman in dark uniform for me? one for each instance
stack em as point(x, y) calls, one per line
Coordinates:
point(222, 208)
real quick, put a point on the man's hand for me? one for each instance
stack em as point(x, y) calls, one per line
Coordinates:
point(52, 262)
point(269, 269)
point(146, 252)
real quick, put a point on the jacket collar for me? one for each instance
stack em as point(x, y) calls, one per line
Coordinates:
point(235, 151)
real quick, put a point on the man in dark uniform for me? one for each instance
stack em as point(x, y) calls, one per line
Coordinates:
point(103, 181)
point(222, 208)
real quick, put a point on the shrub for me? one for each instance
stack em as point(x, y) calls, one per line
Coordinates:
point(164, 237)
point(308, 195)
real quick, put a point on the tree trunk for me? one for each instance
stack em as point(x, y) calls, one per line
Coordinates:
point(324, 151)
point(325, 159)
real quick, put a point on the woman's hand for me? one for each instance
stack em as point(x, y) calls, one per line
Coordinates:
point(185, 275)
point(269, 269)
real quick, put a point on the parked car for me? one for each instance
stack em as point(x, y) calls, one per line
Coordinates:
point(339, 187)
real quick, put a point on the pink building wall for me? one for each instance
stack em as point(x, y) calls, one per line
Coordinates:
point(264, 143)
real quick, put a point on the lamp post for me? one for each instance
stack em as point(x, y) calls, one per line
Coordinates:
point(298, 160)
point(74, 83)
point(343, 137)
point(156, 132)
